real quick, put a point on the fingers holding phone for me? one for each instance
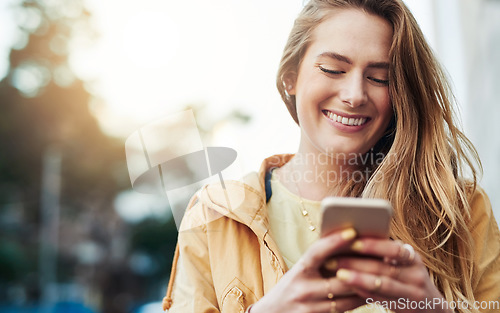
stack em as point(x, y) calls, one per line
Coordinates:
point(389, 279)
point(369, 217)
point(333, 244)
point(303, 287)
point(375, 267)
point(388, 258)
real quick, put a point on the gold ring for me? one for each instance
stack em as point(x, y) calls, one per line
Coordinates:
point(329, 293)
point(377, 284)
point(333, 307)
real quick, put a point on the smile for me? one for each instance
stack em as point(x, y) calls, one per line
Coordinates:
point(348, 121)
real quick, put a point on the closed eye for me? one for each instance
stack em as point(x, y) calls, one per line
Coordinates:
point(379, 81)
point(325, 70)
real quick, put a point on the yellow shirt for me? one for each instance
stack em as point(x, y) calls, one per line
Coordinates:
point(288, 226)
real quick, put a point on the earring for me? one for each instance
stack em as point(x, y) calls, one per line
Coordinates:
point(289, 87)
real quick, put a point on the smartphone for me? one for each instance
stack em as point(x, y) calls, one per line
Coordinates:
point(369, 217)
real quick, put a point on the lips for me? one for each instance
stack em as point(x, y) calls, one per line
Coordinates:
point(346, 120)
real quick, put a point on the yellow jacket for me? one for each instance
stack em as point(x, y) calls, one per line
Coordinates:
point(226, 260)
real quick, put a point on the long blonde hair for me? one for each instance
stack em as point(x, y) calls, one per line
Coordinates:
point(426, 154)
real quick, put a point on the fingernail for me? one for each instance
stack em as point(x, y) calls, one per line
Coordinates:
point(331, 265)
point(348, 234)
point(344, 274)
point(357, 246)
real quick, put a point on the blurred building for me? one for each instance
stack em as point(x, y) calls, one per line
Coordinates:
point(466, 37)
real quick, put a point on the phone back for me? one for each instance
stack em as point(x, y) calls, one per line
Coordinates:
point(369, 217)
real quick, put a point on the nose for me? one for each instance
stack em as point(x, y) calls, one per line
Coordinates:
point(353, 91)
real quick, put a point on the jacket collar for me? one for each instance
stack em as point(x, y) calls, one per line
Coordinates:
point(244, 201)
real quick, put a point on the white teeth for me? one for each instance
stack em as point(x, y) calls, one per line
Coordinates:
point(346, 120)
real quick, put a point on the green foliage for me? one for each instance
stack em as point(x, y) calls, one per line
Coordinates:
point(12, 260)
point(44, 106)
point(157, 239)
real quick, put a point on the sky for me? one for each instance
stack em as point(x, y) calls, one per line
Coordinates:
point(7, 36)
point(155, 58)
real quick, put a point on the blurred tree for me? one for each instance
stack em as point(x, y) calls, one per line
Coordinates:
point(44, 105)
point(153, 244)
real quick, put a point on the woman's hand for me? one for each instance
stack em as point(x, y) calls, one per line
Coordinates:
point(397, 278)
point(303, 289)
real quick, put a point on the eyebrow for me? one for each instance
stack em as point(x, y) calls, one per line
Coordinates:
point(343, 58)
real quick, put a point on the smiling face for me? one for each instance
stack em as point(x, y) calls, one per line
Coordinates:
point(341, 89)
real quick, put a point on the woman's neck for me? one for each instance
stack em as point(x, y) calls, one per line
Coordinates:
point(314, 175)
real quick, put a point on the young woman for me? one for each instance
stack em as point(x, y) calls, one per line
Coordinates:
point(376, 121)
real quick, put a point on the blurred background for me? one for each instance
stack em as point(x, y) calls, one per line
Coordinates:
point(78, 77)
